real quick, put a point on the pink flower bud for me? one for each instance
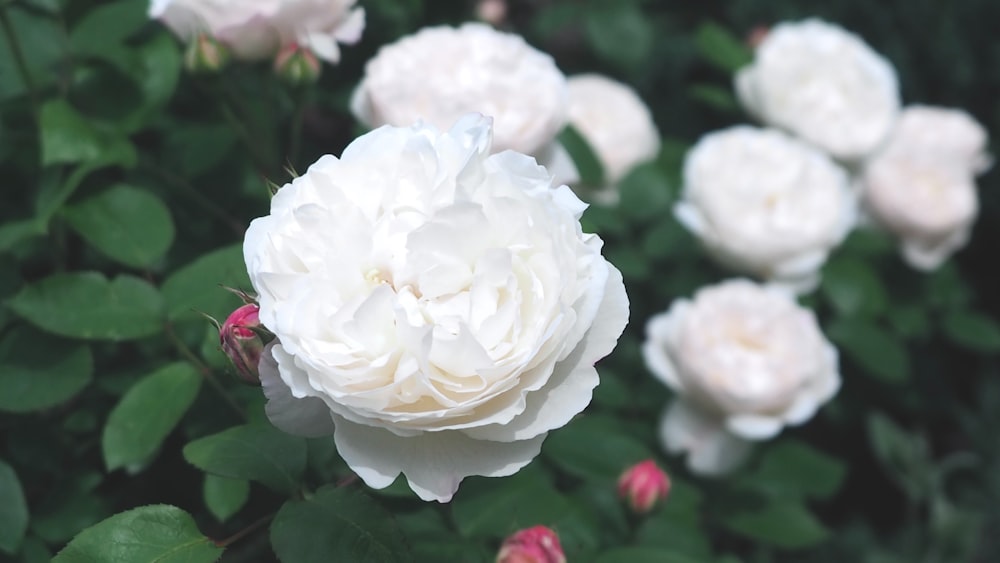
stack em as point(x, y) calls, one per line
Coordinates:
point(493, 12)
point(532, 545)
point(297, 65)
point(242, 342)
point(205, 55)
point(757, 35)
point(642, 485)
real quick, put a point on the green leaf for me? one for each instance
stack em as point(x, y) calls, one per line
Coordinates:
point(877, 351)
point(715, 97)
point(337, 524)
point(14, 233)
point(35, 34)
point(853, 288)
point(619, 32)
point(149, 534)
point(493, 508)
point(677, 523)
point(127, 224)
point(195, 287)
point(795, 469)
point(87, 305)
point(69, 137)
point(147, 413)
point(258, 452)
point(785, 524)
point(223, 496)
point(571, 448)
point(155, 68)
point(720, 48)
point(645, 192)
point(13, 510)
point(974, 331)
point(643, 555)
point(105, 27)
point(904, 456)
point(583, 155)
point(38, 371)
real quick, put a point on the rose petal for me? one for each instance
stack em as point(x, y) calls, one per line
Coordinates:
point(307, 417)
point(711, 449)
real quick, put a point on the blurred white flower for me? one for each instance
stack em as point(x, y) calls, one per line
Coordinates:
point(436, 308)
point(615, 122)
point(257, 29)
point(824, 84)
point(765, 203)
point(921, 187)
point(441, 73)
point(745, 360)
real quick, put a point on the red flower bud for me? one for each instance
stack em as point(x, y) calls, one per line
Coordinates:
point(642, 485)
point(241, 341)
point(532, 545)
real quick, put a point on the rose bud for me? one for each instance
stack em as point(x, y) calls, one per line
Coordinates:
point(297, 65)
point(205, 55)
point(642, 485)
point(532, 545)
point(242, 342)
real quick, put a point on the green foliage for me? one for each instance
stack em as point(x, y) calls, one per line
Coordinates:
point(38, 371)
point(13, 510)
point(254, 452)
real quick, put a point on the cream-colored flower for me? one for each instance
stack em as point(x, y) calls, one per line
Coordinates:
point(824, 84)
point(257, 29)
point(616, 123)
point(766, 204)
point(745, 360)
point(437, 309)
point(441, 73)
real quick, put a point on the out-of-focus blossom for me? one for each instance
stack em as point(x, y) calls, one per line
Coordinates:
point(643, 485)
point(745, 360)
point(766, 204)
point(824, 84)
point(921, 187)
point(532, 545)
point(258, 29)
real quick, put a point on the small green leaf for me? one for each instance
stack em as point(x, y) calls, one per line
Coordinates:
point(645, 192)
point(493, 508)
point(877, 351)
point(974, 331)
point(106, 26)
point(715, 97)
point(87, 305)
point(224, 496)
point(619, 32)
point(149, 534)
point(643, 555)
point(337, 524)
point(572, 449)
point(795, 469)
point(904, 456)
point(785, 524)
point(721, 48)
point(35, 34)
point(583, 155)
point(257, 452)
point(127, 224)
point(13, 510)
point(147, 413)
point(195, 287)
point(38, 371)
point(69, 137)
point(14, 233)
point(853, 288)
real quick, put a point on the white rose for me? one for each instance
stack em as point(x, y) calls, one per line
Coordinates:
point(441, 73)
point(615, 123)
point(438, 309)
point(765, 203)
point(921, 187)
point(823, 84)
point(745, 360)
point(257, 29)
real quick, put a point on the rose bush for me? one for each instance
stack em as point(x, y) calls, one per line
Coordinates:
point(257, 29)
point(922, 188)
point(745, 360)
point(615, 123)
point(436, 308)
point(824, 84)
point(765, 203)
point(477, 69)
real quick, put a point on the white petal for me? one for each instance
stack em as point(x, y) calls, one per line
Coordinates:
point(711, 449)
point(754, 426)
point(434, 463)
point(556, 159)
point(361, 105)
point(307, 417)
point(692, 219)
point(661, 333)
point(350, 31)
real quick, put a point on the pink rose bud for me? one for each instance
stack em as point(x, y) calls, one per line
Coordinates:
point(242, 342)
point(205, 55)
point(756, 36)
point(493, 12)
point(642, 485)
point(532, 545)
point(297, 65)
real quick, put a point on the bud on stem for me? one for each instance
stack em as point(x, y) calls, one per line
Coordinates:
point(243, 338)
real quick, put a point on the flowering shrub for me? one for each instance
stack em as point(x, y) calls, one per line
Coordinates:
point(266, 295)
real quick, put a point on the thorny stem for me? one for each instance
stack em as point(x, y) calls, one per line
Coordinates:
point(245, 531)
point(15, 49)
point(204, 369)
